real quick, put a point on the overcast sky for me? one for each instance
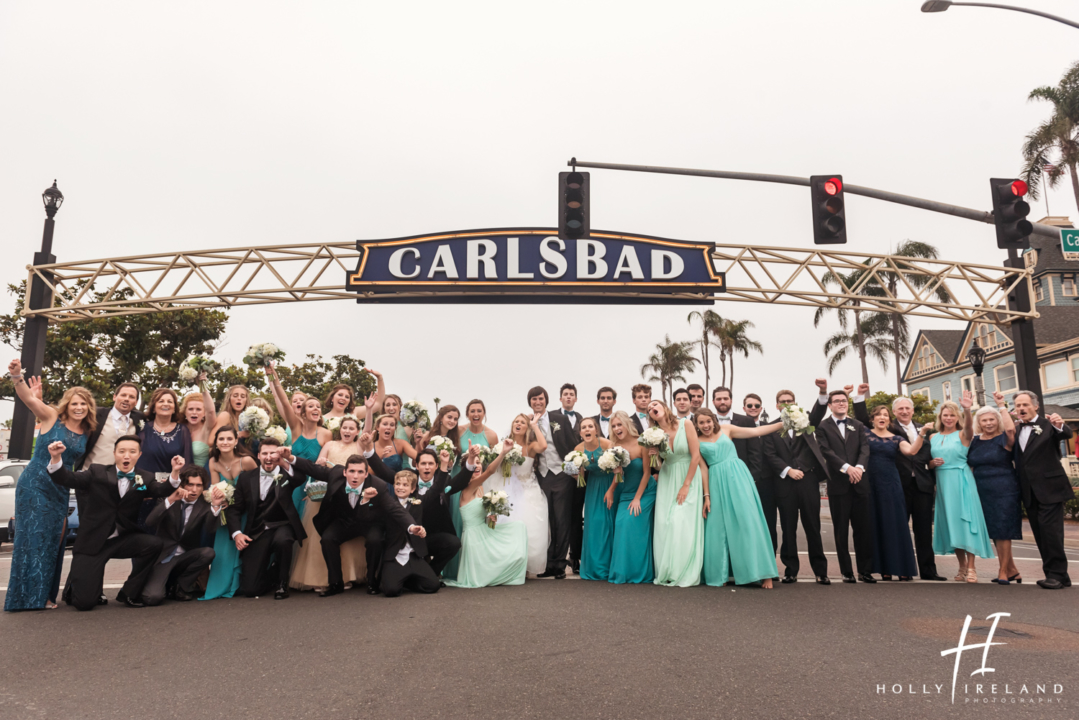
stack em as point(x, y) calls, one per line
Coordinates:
point(197, 125)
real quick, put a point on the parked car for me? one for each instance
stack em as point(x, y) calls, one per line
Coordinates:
point(10, 471)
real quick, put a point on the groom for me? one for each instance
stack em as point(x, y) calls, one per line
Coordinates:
point(556, 485)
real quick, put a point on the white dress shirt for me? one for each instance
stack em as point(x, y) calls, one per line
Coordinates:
point(572, 416)
point(406, 549)
point(605, 425)
point(120, 421)
point(724, 419)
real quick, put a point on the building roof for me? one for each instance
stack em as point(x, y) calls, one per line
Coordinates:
point(1069, 414)
point(947, 342)
point(1050, 256)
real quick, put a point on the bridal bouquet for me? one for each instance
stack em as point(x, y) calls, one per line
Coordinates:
point(614, 460)
point(495, 502)
point(332, 424)
point(255, 421)
point(315, 489)
point(439, 443)
point(195, 364)
point(414, 415)
point(262, 354)
point(516, 456)
point(574, 464)
point(229, 492)
point(487, 454)
point(655, 437)
point(796, 419)
point(275, 432)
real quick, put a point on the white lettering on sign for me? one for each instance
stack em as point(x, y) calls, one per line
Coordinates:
point(513, 261)
point(443, 263)
point(590, 254)
point(659, 261)
point(628, 262)
point(480, 251)
point(395, 263)
point(552, 259)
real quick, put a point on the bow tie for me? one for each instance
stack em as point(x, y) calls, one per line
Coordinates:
point(349, 490)
point(1032, 423)
point(426, 485)
point(571, 413)
point(127, 475)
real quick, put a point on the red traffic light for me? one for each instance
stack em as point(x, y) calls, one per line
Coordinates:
point(833, 186)
point(1019, 188)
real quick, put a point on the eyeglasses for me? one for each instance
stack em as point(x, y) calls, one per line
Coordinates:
point(752, 407)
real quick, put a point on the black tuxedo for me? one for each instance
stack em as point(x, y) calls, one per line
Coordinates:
point(272, 524)
point(338, 521)
point(637, 421)
point(103, 513)
point(442, 541)
point(919, 487)
point(848, 502)
point(195, 538)
point(1045, 488)
point(415, 573)
point(801, 452)
point(560, 490)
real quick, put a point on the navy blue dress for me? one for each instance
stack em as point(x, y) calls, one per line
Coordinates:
point(998, 487)
point(40, 510)
point(158, 449)
point(893, 552)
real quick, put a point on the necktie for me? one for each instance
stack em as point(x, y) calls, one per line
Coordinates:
point(185, 513)
point(426, 485)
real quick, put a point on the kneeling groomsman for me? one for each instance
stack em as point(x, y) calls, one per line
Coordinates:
point(403, 563)
point(186, 523)
point(112, 498)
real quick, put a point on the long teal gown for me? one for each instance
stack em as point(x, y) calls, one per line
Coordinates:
point(403, 433)
point(224, 578)
point(490, 556)
point(631, 545)
point(735, 529)
point(450, 571)
point(308, 450)
point(598, 520)
point(958, 522)
point(678, 542)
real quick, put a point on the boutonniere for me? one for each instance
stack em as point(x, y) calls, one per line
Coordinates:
point(140, 425)
point(415, 501)
point(139, 484)
point(556, 427)
point(1037, 429)
point(277, 478)
point(850, 426)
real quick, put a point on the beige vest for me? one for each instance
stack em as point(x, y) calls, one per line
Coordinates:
point(103, 452)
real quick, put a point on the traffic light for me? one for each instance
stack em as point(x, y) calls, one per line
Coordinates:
point(1009, 211)
point(829, 217)
point(573, 205)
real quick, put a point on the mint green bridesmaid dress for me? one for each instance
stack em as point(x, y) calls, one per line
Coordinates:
point(450, 571)
point(678, 544)
point(490, 556)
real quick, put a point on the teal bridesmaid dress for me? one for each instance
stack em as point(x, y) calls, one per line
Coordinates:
point(200, 454)
point(224, 578)
point(958, 522)
point(735, 527)
point(598, 520)
point(450, 571)
point(308, 450)
point(678, 543)
point(631, 545)
point(490, 556)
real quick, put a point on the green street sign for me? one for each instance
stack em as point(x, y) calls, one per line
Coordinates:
point(1069, 241)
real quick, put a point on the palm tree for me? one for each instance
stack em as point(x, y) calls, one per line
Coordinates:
point(733, 339)
point(670, 363)
point(1059, 134)
point(711, 322)
point(858, 342)
point(870, 337)
point(437, 401)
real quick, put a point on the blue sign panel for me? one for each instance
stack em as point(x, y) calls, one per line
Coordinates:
point(534, 265)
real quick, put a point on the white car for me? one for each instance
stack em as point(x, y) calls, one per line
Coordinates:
point(10, 470)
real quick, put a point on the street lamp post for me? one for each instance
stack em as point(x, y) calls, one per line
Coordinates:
point(976, 356)
point(935, 6)
point(38, 296)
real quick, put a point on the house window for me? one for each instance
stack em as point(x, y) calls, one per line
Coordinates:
point(1030, 258)
point(1056, 374)
point(1075, 369)
point(1039, 290)
point(926, 358)
point(924, 392)
point(986, 336)
point(1067, 286)
point(947, 391)
point(967, 383)
point(1005, 376)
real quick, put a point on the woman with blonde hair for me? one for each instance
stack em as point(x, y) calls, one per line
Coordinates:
point(990, 459)
point(40, 504)
point(237, 398)
point(958, 523)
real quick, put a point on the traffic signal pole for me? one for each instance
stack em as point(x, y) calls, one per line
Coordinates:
point(1027, 367)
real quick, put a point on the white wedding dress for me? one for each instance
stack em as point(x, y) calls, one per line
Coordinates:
point(528, 505)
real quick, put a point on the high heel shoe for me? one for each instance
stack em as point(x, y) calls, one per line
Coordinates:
point(961, 576)
point(1016, 579)
point(972, 576)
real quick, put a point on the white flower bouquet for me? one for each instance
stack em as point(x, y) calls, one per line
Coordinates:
point(315, 489)
point(487, 454)
point(255, 421)
point(797, 419)
point(495, 502)
point(438, 443)
point(195, 364)
point(332, 424)
point(516, 456)
point(614, 460)
point(414, 415)
point(262, 354)
point(574, 464)
point(655, 437)
point(227, 490)
point(275, 432)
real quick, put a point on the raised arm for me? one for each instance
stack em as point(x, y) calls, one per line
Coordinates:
point(540, 443)
point(914, 448)
point(1007, 425)
point(44, 413)
point(284, 407)
point(60, 474)
point(739, 432)
point(966, 402)
point(506, 446)
point(308, 468)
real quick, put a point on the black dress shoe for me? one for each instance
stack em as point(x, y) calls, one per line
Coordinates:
point(788, 579)
point(332, 589)
point(934, 576)
point(560, 576)
point(441, 584)
point(823, 580)
point(849, 579)
point(373, 591)
point(180, 596)
point(100, 601)
point(576, 567)
point(123, 599)
point(1051, 584)
point(549, 573)
point(867, 578)
point(280, 593)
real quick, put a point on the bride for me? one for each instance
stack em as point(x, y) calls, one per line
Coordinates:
point(527, 501)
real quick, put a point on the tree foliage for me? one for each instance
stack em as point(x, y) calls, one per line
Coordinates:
point(669, 363)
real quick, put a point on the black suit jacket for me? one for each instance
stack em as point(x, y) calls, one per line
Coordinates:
point(637, 421)
point(103, 510)
point(912, 470)
point(397, 535)
point(246, 498)
point(437, 499)
point(1040, 473)
point(566, 437)
point(199, 531)
point(383, 510)
point(102, 418)
point(781, 454)
point(840, 450)
point(750, 450)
